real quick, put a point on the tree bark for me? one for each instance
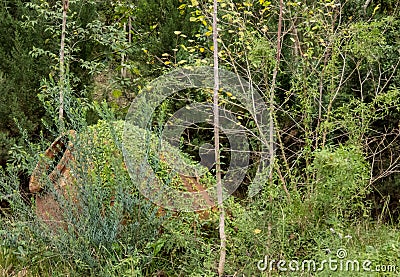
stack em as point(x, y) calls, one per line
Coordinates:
point(222, 234)
point(271, 113)
point(272, 90)
point(123, 69)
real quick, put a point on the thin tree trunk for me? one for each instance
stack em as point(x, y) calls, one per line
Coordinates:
point(273, 87)
point(222, 235)
point(123, 69)
point(365, 6)
point(62, 63)
point(129, 36)
point(272, 110)
point(124, 58)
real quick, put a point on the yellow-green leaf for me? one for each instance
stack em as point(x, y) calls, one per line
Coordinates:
point(117, 93)
point(376, 8)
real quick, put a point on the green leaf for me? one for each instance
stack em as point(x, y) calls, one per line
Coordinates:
point(117, 93)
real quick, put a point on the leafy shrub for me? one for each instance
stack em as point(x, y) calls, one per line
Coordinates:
point(108, 227)
point(341, 183)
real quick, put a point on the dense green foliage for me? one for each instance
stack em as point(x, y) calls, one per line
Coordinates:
point(335, 106)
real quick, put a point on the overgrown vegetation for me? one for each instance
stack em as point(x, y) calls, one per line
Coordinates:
point(334, 181)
